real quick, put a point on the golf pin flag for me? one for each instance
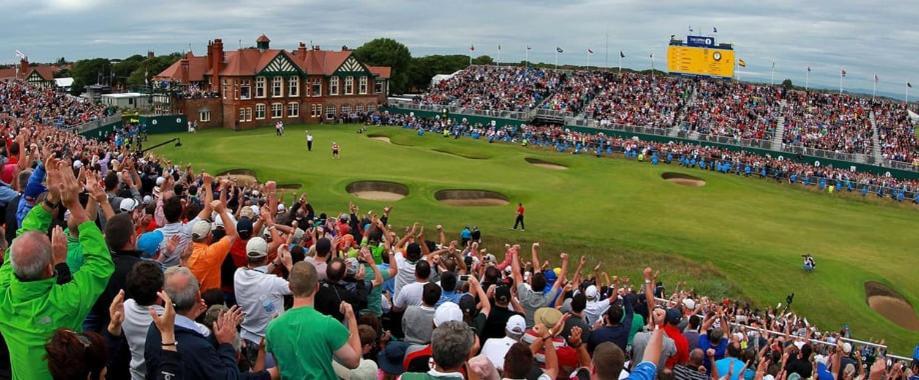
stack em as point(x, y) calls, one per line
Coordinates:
point(559, 50)
point(591, 52)
point(742, 63)
point(621, 54)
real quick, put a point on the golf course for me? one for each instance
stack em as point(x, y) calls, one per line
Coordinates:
point(724, 235)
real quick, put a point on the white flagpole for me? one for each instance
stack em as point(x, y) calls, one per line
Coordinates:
point(906, 99)
point(588, 61)
point(874, 91)
point(526, 52)
point(840, 82)
point(556, 58)
point(652, 65)
point(807, 78)
point(772, 76)
point(498, 61)
point(606, 60)
point(620, 63)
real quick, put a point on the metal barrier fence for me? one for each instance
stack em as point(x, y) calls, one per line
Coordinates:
point(98, 123)
point(666, 303)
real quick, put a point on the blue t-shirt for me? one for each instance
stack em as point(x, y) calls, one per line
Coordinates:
point(643, 371)
point(723, 366)
point(720, 349)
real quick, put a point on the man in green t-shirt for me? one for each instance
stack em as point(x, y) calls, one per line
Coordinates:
point(304, 341)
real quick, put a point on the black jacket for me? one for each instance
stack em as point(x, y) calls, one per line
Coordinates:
point(200, 357)
point(124, 261)
point(330, 296)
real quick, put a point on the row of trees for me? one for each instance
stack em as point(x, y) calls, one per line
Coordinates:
point(133, 71)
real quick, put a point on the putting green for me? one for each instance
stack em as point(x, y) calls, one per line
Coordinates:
point(738, 237)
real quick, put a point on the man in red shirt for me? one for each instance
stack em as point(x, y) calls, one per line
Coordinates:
point(519, 220)
point(682, 345)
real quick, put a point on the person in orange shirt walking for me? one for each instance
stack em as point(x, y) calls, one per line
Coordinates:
point(207, 256)
point(519, 220)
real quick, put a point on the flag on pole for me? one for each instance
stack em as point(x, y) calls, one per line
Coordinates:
point(559, 50)
point(808, 69)
point(773, 64)
point(715, 29)
point(690, 28)
point(652, 56)
point(843, 72)
point(20, 54)
point(621, 54)
point(742, 63)
point(499, 47)
point(591, 52)
point(910, 85)
point(528, 47)
point(472, 47)
point(875, 78)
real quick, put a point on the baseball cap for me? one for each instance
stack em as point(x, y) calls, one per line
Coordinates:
point(148, 199)
point(467, 304)
point(200, 229)
point(160, 181)
point(516, 325)
point(447, 311)
point(77, 164)
point(591, 292)
point(244, 225)
point(673, 316)
point(689, 303)
point(503, 293)
point(256, 248)
point(489, 258)
point(149, 243)
point(847, 348)
point(281, 207)
point(128, 205)
point(548, 316)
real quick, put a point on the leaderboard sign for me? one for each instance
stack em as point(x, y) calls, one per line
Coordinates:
point(700, 56)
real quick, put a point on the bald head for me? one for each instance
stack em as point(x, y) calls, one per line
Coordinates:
point(31, 256)
point(696, 356)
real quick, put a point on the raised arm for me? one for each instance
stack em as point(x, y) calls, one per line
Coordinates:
point(534, 251)
point(208, 197)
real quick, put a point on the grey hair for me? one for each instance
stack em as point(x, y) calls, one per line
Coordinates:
point(451, 343)
point(29, 262)
point(184, 298)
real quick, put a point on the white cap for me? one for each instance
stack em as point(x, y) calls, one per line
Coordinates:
point(200, 229)
point(516, 325)
point(847, 348)
point(689, 303)
point(160, 181)
point(591, 292)
point(256, 248)
point(77, 164)
point(128, 205)
point(447, 311)
point(148, 199)
point(281, 207)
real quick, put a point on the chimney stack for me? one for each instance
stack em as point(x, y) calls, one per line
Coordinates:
point(301, 50)
point(216, 64)
point(183, 70)
point(150, 54)
point(23, 68)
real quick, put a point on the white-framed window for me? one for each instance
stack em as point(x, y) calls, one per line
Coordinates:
point(293, 86)
point(242, 114)
point(260, 111)
point(204, 116)
point(377, 87)
point(359, 108)
point(317, 87)
point(330, 112)
point(245, 89)
point(260, 87)
point(248, 113)
point(316, 110)
point(293, 109)
point(346, 109)
point(224, 88)
point(277, 84)
point(277, 110)
point(362, 86)
point(333, 86)
point(349, 85)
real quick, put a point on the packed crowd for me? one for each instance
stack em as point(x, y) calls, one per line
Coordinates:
point(122, 265)
point(831, 122)
point(577, 90)
point(642, 100)
point(817, 120)
point(896, 133)
point(24, 105)
point(494, 88)
point(733, 109)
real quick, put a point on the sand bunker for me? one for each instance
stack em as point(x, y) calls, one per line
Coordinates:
point(683, 179)
point(545, 164)
point(377, 190)
point(244, 177)
point(380, 138)
point(459, 197)
point(891, 305)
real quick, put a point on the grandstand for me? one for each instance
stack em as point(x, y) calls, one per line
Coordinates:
point(874, 135)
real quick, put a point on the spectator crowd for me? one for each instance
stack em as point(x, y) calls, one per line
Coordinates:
point(123, 265)
point(839, 123)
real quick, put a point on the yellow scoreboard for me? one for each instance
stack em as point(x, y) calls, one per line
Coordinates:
point(698, 60)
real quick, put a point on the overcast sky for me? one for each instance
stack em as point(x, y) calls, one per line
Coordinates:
point(864, 37)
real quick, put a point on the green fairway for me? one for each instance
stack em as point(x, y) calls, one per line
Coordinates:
point(738, 237)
